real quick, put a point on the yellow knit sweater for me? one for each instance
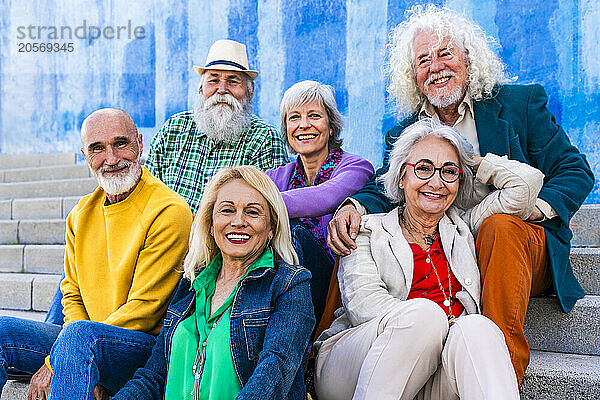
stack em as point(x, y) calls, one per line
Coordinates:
point(123, 261)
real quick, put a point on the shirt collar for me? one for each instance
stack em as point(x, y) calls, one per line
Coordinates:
point(466, 105)
point(209, 273)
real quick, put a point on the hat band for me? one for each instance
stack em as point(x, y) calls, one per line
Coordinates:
point(226, 62)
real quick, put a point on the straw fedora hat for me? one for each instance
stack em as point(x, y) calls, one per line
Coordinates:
point(227, 55)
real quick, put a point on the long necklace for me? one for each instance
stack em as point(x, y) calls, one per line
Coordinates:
point(200, 360)
point(428, 238)
point(448, 300)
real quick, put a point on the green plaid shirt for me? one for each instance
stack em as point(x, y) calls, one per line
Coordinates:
point(185, 159)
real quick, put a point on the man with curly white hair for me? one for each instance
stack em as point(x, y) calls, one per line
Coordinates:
point(442, 66)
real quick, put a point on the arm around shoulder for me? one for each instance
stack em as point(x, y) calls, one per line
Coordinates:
point(372, 195)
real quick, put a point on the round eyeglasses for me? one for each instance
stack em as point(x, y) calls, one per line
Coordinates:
point(424, 169)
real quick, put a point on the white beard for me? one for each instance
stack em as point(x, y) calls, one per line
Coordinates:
point(121, 183)
point(222, 123)
point(443, 98)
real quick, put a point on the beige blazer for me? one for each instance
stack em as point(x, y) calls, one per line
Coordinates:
point(378, 274)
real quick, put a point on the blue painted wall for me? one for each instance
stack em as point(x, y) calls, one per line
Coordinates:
point(45, 96)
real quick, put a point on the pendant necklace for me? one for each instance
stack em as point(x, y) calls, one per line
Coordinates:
point(428, 238)
point(448, 300)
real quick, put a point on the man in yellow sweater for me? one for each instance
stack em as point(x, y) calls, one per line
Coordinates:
point(125, 245)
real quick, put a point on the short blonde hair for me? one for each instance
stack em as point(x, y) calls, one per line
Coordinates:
point(203, 247)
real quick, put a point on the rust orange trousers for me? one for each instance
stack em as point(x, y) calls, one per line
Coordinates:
point(514, 266)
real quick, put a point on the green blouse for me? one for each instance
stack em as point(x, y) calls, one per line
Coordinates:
point(218, 380)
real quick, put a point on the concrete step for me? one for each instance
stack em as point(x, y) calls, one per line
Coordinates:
point(72, 171)
point(32, 258)
point(5, 209)
point(585, 225)
point(14, 390)
point(586, 267)
point(548, 328)
point(35, 231)
point(558, 376)
point(49, 259)
point(38, 207)
point(27, 292)
point(34, 315)
point(59, 187)
point(36, 160)
point(550, 376)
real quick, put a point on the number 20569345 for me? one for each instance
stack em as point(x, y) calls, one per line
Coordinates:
point(27, 47)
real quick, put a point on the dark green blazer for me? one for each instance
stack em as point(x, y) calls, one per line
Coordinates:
point(517, 123)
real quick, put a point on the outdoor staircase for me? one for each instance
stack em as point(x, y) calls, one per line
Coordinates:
point(36, 194)
point(38, 191)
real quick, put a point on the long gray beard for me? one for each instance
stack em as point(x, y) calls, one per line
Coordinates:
point(222, 123)
point(119, 184)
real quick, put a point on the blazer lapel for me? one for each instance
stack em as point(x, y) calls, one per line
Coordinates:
point(447, 234)
point(400, 248)
point(492, 132)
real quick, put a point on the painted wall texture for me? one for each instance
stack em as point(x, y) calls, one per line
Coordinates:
point(138, 55)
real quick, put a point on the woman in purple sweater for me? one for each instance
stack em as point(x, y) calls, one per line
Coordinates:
point(320, 179)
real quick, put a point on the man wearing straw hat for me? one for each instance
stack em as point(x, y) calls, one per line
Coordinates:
point(219, 132)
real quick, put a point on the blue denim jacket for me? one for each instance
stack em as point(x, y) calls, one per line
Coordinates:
point(271, 322)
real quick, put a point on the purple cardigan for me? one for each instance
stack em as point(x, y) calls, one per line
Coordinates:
point(350, 175)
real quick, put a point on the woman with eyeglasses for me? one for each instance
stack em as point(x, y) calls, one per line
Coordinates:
point(410, 324)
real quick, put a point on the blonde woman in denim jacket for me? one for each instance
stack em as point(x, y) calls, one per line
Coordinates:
point(240, 322)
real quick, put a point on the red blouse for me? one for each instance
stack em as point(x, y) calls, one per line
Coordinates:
point(425, 283)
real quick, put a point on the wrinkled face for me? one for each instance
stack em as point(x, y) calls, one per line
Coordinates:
point(441, 70)
point(224, 83)
point(222, 108)
point(241, 222)
point(432, 196)
point(112, 153)
point(308, 129)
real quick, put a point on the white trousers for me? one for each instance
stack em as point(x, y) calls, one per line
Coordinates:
point(412, 353)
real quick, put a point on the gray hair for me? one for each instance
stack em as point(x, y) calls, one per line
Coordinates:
point(412, 135)
point(202, 246)
point(484, 68)
point(306, 92)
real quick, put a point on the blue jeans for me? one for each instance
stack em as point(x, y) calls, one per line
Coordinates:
point(315, 258)
point(55, 312)
point(82, 354)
